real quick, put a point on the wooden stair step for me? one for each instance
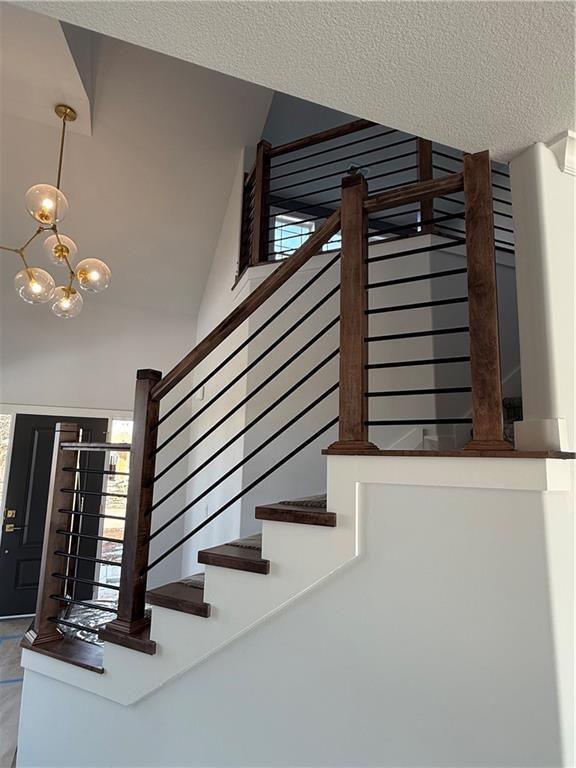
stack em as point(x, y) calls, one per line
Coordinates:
point(241, 554)
point(308, 511)
point(72, 650)
point(137, 641)
point(186, 595)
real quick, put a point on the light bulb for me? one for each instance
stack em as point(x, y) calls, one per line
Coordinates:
point(60, 247)
point(34, 285)
point(46, 204)
point(93, 275)
point(67, 302)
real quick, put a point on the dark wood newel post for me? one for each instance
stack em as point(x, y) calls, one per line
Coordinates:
point(488, 433)
point(43, 630)
point(353, 430)
point(260, 221)
point(425, 173)
point(131, 617)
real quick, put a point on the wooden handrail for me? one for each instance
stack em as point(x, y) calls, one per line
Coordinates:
point(415, 193)
point(260, 294)
point(318, 138)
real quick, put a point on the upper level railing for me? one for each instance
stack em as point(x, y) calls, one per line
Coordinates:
point(169, 456)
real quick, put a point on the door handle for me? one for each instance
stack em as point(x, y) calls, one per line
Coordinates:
point(10, 527)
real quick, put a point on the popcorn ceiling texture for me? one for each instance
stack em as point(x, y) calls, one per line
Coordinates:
point(473, 75)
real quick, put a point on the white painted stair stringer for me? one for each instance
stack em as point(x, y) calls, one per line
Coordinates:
point(301, 557)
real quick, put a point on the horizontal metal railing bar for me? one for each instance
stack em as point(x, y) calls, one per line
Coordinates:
point(402, 422)
point(418, 334)
point(333, 148)
point(290, 207)
point(92, 536)
point(80, 492)
point(321, 136)
point(341, 172)
point(417, 278)
point(88, 559)
point(78, 470)
point(238, 315)
point(247, 398)
point(63, 577)
point(90, 514)
point(120, 447)
point(411, 392)
point(448, 157)
point(408, 228)
point(509, 249)
point(450, 170)
point(287, 304)
point(414, 193)
point(245, 459)
point(243, 492)
point(422, 249)
point(370, 179)
point(285, 395)
point(83, 603)
point(417, 305)
point(66, 623)
point(300, 221)
point(252, 364)
point(429, 361)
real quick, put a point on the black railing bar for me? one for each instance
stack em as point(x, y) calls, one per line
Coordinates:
point(291, 237)
point(90, 514)
point(72, 601)
point(418, 334)
point(334, 149)
point(370, 179)
point(77, 579)
point(285, 395)
point(460, 232)
point(410, 392)
point(244, 491)
point(248, 397)
point(67, 623)
point(402, 422)
point(417, 305)
point(342, 172)
point(504, 250)
point(93, 493)
point(413, 251)
point(95, 471)
point(417, 278)
point(409, 363)
point(419, 224)
point(288, 304)
point(499, 213)
point(92, 536)
point(245, 459)
point(503, 229)
point(501, 173)
point(448, 157)
point(302, 208)
point(99, 560)
point(270, 348)
point(449, 170)
point(500, 186)
point(299, 221)
point(502, 202)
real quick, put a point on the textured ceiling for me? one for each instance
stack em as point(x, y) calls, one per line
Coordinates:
point(472, 75)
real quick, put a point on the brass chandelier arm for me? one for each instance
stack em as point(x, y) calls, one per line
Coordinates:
point(61, 157)
point(71, 273)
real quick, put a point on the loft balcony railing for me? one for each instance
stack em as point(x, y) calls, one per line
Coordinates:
point(335, 346)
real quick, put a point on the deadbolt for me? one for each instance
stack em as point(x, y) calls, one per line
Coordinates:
point(9, 513)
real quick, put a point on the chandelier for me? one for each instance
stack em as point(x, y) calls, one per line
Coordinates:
point(48, 206)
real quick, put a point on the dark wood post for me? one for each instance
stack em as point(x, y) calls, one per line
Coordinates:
point(261, 219)
point(353, 430)
point(132, 618)
point(425, 173)
point(488, 433)
point(43, 630)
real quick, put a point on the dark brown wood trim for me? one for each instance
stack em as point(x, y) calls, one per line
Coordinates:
point(258, 296)
point(96, 446)
point(139, 641)
point(260, 222)
point(72, 650)
point(425, 173)
point(43, 630)
point(181, 596)
point(353, 403)
point(488, 422)
point(321, 136)
point(465, 453)
point(290, 513)
point(414, 193)
point(132, 617)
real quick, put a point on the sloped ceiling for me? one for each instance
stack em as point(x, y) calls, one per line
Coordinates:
point(469, 74)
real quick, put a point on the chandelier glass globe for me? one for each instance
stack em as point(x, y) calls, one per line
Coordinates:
point(46, 204)
point(34, 285)
point(59, 248)
point(93, 275)
point(67, 302)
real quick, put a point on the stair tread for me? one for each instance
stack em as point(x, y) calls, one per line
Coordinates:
point(241, 554)
point(72, 650)
point(310, 510)
point(186, 595)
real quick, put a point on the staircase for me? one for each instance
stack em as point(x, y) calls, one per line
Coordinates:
point(153, 633)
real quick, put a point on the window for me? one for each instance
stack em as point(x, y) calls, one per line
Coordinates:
point(5, 421)
point(290, 233)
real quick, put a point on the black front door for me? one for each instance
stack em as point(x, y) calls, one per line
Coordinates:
point(26, 500)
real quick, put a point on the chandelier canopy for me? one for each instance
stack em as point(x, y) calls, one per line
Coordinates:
point(48, 206)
